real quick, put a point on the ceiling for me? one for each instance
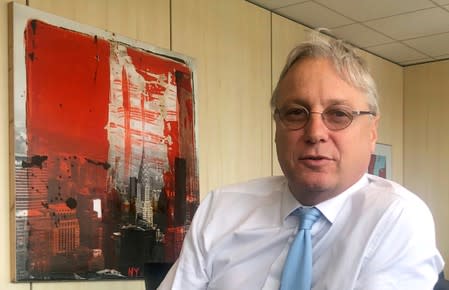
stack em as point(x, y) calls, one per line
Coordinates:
point(405, 32)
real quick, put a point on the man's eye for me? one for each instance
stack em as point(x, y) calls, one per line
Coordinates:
point(337, 113)
point(295, 114)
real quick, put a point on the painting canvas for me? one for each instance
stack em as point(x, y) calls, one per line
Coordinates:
point(380, 163)
point(105, 159)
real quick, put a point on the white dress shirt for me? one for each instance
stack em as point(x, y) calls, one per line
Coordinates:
point(374, 236)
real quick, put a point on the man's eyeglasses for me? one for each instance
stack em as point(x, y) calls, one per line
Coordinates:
point(335, 118)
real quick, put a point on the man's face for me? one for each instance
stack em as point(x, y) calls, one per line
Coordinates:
point(320, 163)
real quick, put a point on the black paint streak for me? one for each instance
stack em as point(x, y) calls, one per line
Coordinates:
point(97, 59)
point(34, 25)
point(36, 161)
point(31, 56)
point(105, 165)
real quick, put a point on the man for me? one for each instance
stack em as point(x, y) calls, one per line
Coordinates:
point(370, 233)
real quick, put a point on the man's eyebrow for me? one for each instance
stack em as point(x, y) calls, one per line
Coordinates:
point(336, 101)
point(329, 102)
point(295, 101)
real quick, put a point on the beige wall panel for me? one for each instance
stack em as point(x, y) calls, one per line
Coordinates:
point(144, 20)
point(6, 235)
point(389, 80)
point(426, 141)
point(286, 34)
point(83, 11)
point(230, 41)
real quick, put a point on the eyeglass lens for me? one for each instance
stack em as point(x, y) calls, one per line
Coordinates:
point(335, 117)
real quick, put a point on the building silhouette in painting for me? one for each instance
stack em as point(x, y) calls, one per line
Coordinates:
point(65, 232)
point(33, 218)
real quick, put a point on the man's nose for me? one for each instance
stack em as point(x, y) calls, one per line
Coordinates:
point(315, 130)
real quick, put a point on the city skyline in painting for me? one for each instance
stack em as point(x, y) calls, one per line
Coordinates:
point(106, 175)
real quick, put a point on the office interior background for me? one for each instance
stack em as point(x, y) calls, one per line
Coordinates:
point(239, 50)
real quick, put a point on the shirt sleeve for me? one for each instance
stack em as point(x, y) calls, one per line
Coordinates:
point(404, 253)
point(189, 271)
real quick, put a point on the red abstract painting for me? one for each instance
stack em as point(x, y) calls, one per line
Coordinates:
point(106, 175)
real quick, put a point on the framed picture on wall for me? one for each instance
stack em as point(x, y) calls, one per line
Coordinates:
point(105, 150)
point(380, 163)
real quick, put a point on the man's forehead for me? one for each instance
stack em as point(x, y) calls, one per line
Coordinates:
point(314, 102)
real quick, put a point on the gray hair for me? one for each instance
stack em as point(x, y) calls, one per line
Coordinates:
point(350, 66)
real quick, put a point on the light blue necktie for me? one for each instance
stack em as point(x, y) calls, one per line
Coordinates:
point(297, 273)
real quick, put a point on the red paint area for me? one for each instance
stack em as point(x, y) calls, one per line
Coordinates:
point(145, 62)
point(68, 92)
point(127, 121)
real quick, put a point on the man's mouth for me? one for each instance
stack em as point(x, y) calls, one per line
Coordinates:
point(315, 161)
point(314, 157)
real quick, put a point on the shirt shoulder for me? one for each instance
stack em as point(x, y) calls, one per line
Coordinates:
point(390, 192)
point(252, 205)
point(259, 187)
point(399, 213)
point(246, 197)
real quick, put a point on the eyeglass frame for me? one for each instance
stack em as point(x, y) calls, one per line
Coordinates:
point(350, 113)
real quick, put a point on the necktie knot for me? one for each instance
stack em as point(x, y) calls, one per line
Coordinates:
point(307, 217)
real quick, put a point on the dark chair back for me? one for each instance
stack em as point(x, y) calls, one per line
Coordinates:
point(154, 273)
point(442, 283)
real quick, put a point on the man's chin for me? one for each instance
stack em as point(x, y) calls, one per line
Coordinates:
point(313, 187)
point(312, 184)
point(311, 193)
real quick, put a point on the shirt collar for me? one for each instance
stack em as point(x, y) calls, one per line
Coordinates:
point(329, 208)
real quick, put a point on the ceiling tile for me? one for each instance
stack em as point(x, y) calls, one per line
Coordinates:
point(443, 57)
point(441, 2)
point(274, 4)
point(359, 35)
point(434, 45)
point(417, 61)
point(313, 15)
point(366, 10)
point(411, 25)
point(421, 25)
point(396, 52)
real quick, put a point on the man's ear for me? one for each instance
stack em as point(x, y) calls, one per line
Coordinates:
point(373, 133)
